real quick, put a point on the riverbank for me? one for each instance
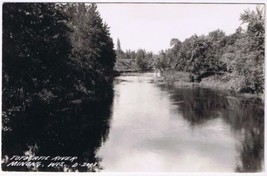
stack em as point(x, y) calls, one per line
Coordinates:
point(225, 82)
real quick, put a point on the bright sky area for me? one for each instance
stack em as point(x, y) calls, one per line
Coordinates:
point(152, 26)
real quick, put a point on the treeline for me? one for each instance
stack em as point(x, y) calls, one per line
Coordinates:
point(53, 53)
point(141, 59)
point(238, 57)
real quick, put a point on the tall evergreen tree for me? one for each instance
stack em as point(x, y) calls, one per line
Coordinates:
point(118, 45)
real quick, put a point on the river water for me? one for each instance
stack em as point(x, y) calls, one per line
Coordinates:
point(159, 128)
point(143, 125)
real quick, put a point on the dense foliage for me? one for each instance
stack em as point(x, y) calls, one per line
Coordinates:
point(140, 60)
point(53, 53)
point(239, 57)
point(92, 55)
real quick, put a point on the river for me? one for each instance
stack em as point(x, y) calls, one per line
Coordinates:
point(159, 128)
point(147, 126)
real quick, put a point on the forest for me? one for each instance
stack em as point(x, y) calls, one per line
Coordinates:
point(235, 61)
point(53, 53)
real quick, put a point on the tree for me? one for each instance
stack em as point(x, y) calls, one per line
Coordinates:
point(216, 35)
point(249, 57)
point(140, 59)
point(35, 54)
point(175, 43)
point(118, 45)
point(93, 56)
point(173, 54)
point(53, 53)
point(119, 52)
point(200, 60)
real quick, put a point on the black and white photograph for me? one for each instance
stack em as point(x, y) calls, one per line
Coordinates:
point(133, 87)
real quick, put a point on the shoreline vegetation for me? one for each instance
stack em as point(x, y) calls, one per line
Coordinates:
point(232, 62)
point(217, 82)
point(182, 80)
point(54, 56)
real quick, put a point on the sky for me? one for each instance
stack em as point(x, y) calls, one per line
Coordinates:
point(152, 26)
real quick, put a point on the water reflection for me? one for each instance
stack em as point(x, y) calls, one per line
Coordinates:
point(154, 128)
point(75, 131)
point(245, 116)
point(160, 128)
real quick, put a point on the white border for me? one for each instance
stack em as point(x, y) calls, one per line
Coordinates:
point(143, 173)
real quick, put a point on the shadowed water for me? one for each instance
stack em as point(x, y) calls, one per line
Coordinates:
point(76, 131)
point(143, 125)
